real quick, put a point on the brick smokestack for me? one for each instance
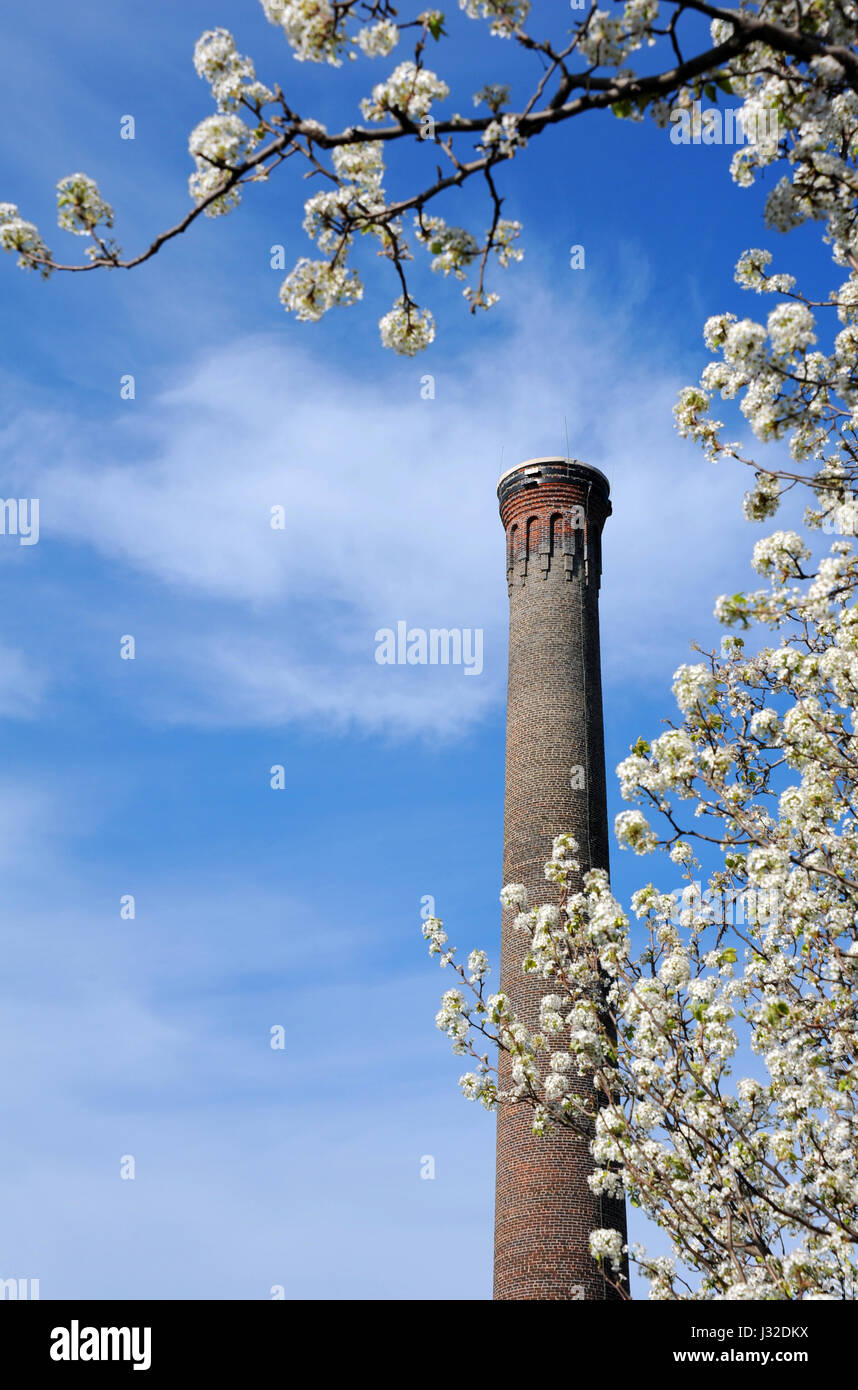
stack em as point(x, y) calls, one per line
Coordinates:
point(553, 511)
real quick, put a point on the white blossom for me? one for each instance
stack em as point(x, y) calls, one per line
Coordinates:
point(607, 1245)
point(18, 235)
point(379, 39)
point(514, 895)
point(80, 206)
point(232, 77)
point(478, 966)
point(219, 144)
point(311, 28)
point(409, 91)
point(506, 15)
point(314, 287)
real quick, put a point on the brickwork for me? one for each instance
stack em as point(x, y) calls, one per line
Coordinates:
point(553, 511)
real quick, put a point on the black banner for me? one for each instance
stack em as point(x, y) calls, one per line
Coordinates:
point(155, 1339)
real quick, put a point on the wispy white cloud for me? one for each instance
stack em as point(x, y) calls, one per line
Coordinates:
point(22, 684)
point(389, 514)
point(254, 1166)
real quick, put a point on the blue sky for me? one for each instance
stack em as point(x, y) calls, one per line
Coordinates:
point(254, 647)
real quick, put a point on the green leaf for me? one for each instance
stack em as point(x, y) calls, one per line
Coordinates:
point(779, 1009)
point(436, 26)
point(728, 957)
point(709, 89)
point(622, 108)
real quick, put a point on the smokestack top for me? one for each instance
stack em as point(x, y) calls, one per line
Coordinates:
point(552, 468)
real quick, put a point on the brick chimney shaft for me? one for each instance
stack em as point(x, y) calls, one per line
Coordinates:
point(553, 511)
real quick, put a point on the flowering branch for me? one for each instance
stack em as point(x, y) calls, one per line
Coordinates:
point(768, 54)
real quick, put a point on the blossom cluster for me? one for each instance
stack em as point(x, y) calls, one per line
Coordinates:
point(81, 210)
point(232, 78)
point(316, 30)
point(409, 91)
point(406, 328)
point(787, 387)
point(219, 145)
point(800, 87)
point(332, 217)
point(506, 16)
point(607, 41)
point(22, 237)
point(313, 287)
point(80, 206)
point(714, 1066)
